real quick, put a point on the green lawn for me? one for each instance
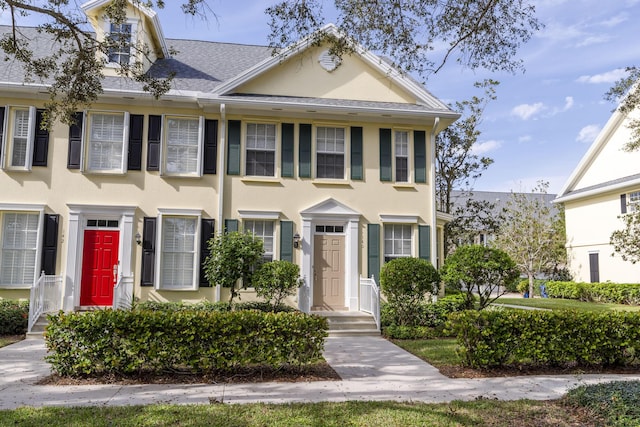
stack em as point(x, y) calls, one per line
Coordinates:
point(478, 413)
point(557, 304)
point(437, 352)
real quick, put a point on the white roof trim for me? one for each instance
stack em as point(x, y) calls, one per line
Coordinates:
point(21, 207)
point(596, 147)
point(149, 13)
point(599, 190)
point(373, 60)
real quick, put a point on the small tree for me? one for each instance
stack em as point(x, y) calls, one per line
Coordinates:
point(405, 283)
point(626, 242)
point(530, 235)
point(479, 270)
point(233, 257)
point(276, 280)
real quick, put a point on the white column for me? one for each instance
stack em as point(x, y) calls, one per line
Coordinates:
point(73, 244)
point(352, 264)
point(305, 297)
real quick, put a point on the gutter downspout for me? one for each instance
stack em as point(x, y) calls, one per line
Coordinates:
point(221, 173)
point(434, 227)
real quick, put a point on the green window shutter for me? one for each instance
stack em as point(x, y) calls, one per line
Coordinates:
point(356, 153)
point(424, 242)
point(304, 155)
point(233, 154)
point(286, 240)
point(420, 155)
point(207, 231)
point(373, 251)
point(287, 150)
point(385, 155)
point(230, 225)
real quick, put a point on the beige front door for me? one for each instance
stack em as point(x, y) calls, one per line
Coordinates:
point(328, 273)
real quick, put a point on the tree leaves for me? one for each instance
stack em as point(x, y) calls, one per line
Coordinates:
point(626, 242)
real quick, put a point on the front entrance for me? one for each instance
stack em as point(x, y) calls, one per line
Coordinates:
point(99, 267)
point(328, 272)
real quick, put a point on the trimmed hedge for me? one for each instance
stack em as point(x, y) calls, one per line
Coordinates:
point(546, 338)
point(619, 293)
point(134, 342)
point(14, 317)
point(211, 307)
point(427, 321)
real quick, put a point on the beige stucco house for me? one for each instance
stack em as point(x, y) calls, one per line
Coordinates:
point(331, 165)
point(604, 186)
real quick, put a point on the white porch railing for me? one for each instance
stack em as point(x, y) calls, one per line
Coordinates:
point(370, 298)
point(45, 297)
point(123, 293)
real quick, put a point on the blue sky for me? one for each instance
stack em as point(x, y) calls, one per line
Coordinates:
point(543, 120)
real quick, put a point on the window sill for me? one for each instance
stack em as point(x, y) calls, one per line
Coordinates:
point(181, 175)
point(332, 182)
point(261, 180)
point(404, 186)
point(15, 288)
point(105, 172)
point(176, 289)
point(16, 169)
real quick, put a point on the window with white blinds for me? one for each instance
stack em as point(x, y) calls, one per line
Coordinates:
point(179, 252)
point(21, 127)
point(106, 143)
point(182, 145)
point(18, 251)
point(264, 231)
point(397, 241)
point(402, 156)
point(261, 149)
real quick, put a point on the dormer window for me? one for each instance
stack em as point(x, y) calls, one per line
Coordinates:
point(121, 36)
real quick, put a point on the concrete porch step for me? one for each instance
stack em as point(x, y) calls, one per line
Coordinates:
point(349, 323)
point(38, 329)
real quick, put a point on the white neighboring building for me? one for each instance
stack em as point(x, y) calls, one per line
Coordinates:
point(604, 186)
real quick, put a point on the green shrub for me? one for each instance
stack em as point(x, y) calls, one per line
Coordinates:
point(479, 271)
point(14, 317)
point(133, 342)
point(523, 286)
point(205, 306)
point(618, 293)
point(264, 306)
point(613, 404)
point(405, 283)
point(546, 338)
point(276, 280)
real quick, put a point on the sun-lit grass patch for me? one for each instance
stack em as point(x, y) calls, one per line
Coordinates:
point(566, 304)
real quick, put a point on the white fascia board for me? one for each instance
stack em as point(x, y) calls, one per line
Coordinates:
point(603, 137)
point(267, 215)
point(596, 191)
point(399, 219)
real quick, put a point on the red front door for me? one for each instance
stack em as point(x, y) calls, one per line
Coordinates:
point(99, 256)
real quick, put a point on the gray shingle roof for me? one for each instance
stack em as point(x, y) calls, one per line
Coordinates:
point(602, 185)
point(500, 198)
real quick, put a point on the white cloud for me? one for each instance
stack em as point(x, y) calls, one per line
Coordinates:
point(568, 103)
point(588, 134)
point(480, 148)
point(591, 40)
point(616, 20)
point(607, 77)
point(526, 111)
point(525, 138)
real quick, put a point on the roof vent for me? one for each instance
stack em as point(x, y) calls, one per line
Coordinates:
point(328, 61)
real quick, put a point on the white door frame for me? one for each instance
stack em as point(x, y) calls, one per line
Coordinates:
point(78, 215)
point(331, 211)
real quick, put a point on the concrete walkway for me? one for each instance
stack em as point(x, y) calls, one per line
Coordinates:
point(371, 368)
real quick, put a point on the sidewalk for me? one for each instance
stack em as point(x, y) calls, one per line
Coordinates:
point(371, 368)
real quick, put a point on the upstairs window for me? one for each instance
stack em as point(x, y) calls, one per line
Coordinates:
point(402, 156)
point(330, 149)
point(17, 146)
point(120, 36)
point(634, 201)
point(261, 149)
point(182, 145)
point(106, 147)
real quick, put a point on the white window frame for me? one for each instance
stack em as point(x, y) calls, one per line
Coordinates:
point(174, 213)
point(275, 150)
point(394, 255)
point(633, 201)
point(345, 151)
point(133, 55)
point(273, 234)
point(407, 156)
point(8, 138)
point(164, 146)
point(86, 142)
point(23, 209)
